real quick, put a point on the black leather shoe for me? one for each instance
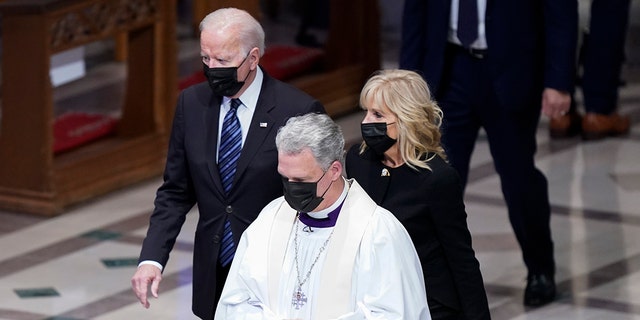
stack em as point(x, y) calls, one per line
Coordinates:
point(541, 289)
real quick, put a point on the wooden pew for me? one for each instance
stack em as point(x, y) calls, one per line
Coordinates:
point(32, 178)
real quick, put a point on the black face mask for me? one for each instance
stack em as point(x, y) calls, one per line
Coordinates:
point(301, 196)
point(224, 81)
point(376, 138)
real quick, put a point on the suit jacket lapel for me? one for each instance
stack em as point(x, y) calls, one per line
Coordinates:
point(262, 123)
point(211, 119)
point(377, 175)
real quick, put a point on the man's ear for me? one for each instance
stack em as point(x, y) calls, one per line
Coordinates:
point(254, 57)
point(336, 170)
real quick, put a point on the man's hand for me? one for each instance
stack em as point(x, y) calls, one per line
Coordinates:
point(146, 275)
point(555, 103)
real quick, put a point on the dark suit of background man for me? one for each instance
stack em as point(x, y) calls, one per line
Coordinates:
point(519, 58)
point(601, 58)
point(192, 173)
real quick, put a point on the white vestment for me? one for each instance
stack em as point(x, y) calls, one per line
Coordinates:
point(368, 270)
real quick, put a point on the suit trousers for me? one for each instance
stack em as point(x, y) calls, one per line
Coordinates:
point(603, 55)
point(469, 102)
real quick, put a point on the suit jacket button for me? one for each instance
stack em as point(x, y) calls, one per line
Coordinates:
point(216, 239)
point(229, 209)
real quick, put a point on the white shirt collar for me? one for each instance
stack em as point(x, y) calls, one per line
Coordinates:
point(325, 212)
point(250, 96)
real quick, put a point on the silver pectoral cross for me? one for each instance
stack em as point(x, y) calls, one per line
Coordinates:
point(299, 299)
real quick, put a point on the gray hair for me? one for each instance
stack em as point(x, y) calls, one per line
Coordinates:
point(316, 132)
point(247, 28)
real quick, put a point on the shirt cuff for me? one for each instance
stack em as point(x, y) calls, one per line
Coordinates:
point(151, 262)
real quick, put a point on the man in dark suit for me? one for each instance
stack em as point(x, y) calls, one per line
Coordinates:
point(222, 156)
point(495, 64)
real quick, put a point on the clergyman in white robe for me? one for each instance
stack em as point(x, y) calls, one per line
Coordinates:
point(368, 269)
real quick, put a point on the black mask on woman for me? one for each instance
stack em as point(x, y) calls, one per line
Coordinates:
point(302, 196)
point(224, 81)
point(376, 138)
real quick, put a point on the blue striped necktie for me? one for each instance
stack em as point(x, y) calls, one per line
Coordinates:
point(230, 146)
point(467, 22)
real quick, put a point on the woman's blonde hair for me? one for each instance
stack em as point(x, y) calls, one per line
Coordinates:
point(407, 96)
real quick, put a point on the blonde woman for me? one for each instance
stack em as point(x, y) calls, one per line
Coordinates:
point(403, 167)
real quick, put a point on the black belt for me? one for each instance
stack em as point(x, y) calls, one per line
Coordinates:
point(476, 53)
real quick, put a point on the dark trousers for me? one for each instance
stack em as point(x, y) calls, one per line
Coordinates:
point(439, 311)
point(468, 100)
point(603, 54)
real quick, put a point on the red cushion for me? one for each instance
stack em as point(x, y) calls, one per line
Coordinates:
point(285, 62)
point(188, 81)
point(73, 129)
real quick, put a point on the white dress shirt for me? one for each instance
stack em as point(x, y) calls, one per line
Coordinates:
point(249, 99)
point(481, 41)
